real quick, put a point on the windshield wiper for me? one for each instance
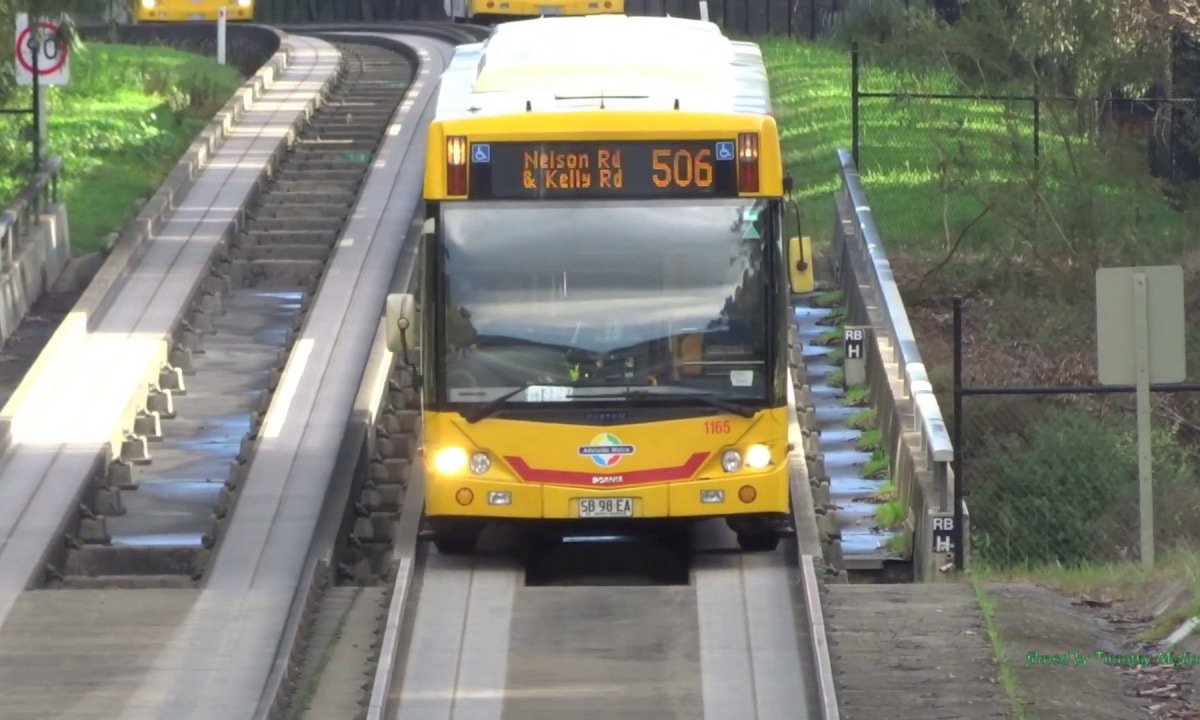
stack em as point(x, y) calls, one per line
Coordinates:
point(480, 412)
point(708, 399)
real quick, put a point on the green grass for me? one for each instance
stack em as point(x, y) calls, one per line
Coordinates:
point(870, 440)
point(831, 336)
point(941, 173)
point(900, 544)
point(121, 125)
point(837, 316)
point(877, 466)
point(862, 420)
point(857, 396)
point(891, 514)
point(1007, 680)
point(836, 378)
point(885, 493)
point(828, 299)
point(1112, 580)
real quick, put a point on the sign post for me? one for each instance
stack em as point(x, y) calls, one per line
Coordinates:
point(1142, 308)
point(854, 355)
point(221, 13)
point(41, 59)
point(704, 10)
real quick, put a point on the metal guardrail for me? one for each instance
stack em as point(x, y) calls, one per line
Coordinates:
point(25, 209)
point(873, 299)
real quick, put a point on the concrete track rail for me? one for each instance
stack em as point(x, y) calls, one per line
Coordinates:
point(732, 644)
point(171, 509)
point(62, 421)
point(219, 646)
point(742, 638)
point(220, 660)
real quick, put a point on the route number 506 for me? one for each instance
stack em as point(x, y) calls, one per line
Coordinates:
point(682, 168)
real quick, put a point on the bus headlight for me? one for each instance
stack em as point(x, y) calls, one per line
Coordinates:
point(148, 4)
point(758, 456)
point(480, 463)
point(244, 3)
point(450, 460)
point(731, 461)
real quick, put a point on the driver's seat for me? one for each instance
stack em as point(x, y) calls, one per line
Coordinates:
point(688, 349)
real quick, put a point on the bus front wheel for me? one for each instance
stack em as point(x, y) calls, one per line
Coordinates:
point(455, 537)
point(758, 541)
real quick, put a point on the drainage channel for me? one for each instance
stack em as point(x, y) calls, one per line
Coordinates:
point(339, 643)
point(866, 513)
point(156, 518)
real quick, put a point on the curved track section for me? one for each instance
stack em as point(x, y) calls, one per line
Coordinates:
point(171, 507)
point(218, 663)
point(65, 421)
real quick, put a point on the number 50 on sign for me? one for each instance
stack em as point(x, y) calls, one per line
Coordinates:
point(52, 51)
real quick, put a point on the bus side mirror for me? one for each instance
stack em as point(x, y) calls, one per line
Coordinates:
point(800, 267)
point(400, 312)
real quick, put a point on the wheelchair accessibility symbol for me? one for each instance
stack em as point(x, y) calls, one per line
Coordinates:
point(481, 153)
point(724, 151)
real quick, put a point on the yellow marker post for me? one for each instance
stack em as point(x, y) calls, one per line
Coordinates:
point(800, 265)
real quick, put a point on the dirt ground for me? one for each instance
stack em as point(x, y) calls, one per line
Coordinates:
point(1051, 641)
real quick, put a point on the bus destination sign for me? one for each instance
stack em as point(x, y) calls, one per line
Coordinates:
point(603, 170)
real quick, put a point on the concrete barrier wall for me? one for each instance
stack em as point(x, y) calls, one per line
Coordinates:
point(909, 418)
point(132, 241)
point(40, 257)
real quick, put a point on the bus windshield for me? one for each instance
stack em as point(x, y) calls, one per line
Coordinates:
point(584, 298)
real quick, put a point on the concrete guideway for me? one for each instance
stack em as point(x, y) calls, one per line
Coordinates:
point(731, 645)
point(92, 378)
point(744, 639)
point(219, 661)
point(913, 651)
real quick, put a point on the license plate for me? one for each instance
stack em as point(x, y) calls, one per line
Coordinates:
point(196, 16)
point(605, 507)
point(549, 9)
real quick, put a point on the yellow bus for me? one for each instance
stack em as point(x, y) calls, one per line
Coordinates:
point(193, 10)
point(605, 283)
point(490, 11)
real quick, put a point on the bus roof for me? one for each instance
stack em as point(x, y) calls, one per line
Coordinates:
point(614, 62)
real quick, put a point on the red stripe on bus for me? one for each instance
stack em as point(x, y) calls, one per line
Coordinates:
point(629, 477)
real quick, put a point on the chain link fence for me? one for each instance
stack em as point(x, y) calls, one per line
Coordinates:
point(962, 170)
point(1054, 479)
point(1050, 472)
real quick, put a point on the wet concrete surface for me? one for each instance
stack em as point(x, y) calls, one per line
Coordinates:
point(177, 492)
point(864, 544)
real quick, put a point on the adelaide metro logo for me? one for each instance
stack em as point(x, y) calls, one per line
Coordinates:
point(606, 449)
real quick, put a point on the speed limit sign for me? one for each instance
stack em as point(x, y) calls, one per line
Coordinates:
point(51, 49)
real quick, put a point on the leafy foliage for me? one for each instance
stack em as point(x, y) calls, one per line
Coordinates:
point(1064, 489)
point(121, 124)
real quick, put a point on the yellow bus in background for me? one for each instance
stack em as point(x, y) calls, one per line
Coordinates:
point(193, 10)
point(489, 11)
point(605, 284)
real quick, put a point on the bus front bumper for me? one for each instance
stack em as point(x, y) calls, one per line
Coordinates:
point(742, 493)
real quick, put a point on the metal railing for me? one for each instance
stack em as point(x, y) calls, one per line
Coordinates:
point(907, 409)
point(27, 207)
